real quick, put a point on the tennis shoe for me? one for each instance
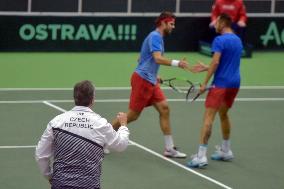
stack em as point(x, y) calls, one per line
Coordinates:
point(174, 153)
point(197, 162)
point(220, 155)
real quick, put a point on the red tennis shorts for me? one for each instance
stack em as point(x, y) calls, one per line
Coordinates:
point(144, 93)
point(217, 97)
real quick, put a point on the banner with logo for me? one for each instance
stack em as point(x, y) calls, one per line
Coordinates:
point(118, 34)
point(266, 33)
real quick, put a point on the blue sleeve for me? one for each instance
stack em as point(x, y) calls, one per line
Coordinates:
point(217, 45)
point(155, 43)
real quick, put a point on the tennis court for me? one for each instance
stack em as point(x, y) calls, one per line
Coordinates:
point(27, 104)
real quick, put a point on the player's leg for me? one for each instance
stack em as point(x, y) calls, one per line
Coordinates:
point(199, 160)
point(158, 100)
point(224, 151)
point(164, 116)
point(225, 122)
point(138, 99)
point(206, 129)
point(213, 102)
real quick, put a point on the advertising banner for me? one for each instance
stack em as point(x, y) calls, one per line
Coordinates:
point(118, 34)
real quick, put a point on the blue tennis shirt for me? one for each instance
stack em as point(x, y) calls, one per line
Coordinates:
point(227, 74)
point(147, 68)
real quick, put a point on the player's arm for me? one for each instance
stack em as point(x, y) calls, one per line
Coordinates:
point(155, 46)
point(211, 70)
point(44, 152)
point(159, 59)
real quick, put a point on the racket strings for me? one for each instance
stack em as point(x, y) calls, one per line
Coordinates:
point(193, 93)
point(182, 86)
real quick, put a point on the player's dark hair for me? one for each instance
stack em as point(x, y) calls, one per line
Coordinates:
point(226, 19)
point(164, 15)
point(83, 93)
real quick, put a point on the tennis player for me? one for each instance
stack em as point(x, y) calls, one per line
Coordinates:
point(225, 66)
point(74, 141)
point(144, 81)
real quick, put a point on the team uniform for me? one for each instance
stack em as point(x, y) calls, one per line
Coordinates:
point(75, 140)
point(145, 88)
point(227, 79)
point(226, 84)
point(235, 9)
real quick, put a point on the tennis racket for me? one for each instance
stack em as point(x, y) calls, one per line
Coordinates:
point(194, 92)
point(190, 89)
point(177, 84)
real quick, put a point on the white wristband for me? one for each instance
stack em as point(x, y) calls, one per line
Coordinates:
point(175, 63)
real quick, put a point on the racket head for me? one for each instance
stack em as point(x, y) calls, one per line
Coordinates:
point(193, 93)
point(180, 85)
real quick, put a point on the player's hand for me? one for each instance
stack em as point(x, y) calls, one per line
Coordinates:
point(183, 63)
point(200, 67)
point(122, 118)
point(159, 79)
point(202, 88)
point(241, 24)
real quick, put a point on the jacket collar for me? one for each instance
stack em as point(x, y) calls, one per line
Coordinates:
point(82, 109)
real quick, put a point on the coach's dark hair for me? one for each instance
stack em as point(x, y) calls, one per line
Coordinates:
point(226, 19)
point(163, 15)
point(83, 93)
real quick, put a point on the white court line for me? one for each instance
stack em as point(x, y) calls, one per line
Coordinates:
point(158, 155)
point(127, 100)
point(121, 88)
point(54, 106)
point(16, 147)
point(180, 165)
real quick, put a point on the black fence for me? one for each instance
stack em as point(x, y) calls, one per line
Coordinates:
point(50, 33)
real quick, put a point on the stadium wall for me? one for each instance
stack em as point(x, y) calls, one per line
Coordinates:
point(118, 34)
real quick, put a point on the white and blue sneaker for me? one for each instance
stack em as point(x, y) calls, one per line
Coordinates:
point(174, 153)
point(220, 155)
point(197, 162)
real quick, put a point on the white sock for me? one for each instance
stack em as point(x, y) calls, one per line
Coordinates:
point(169, 142)
point(226, 145)
point(202, 150)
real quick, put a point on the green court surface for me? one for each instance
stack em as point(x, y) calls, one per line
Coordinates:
point(257, 120)
point(114, 69)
